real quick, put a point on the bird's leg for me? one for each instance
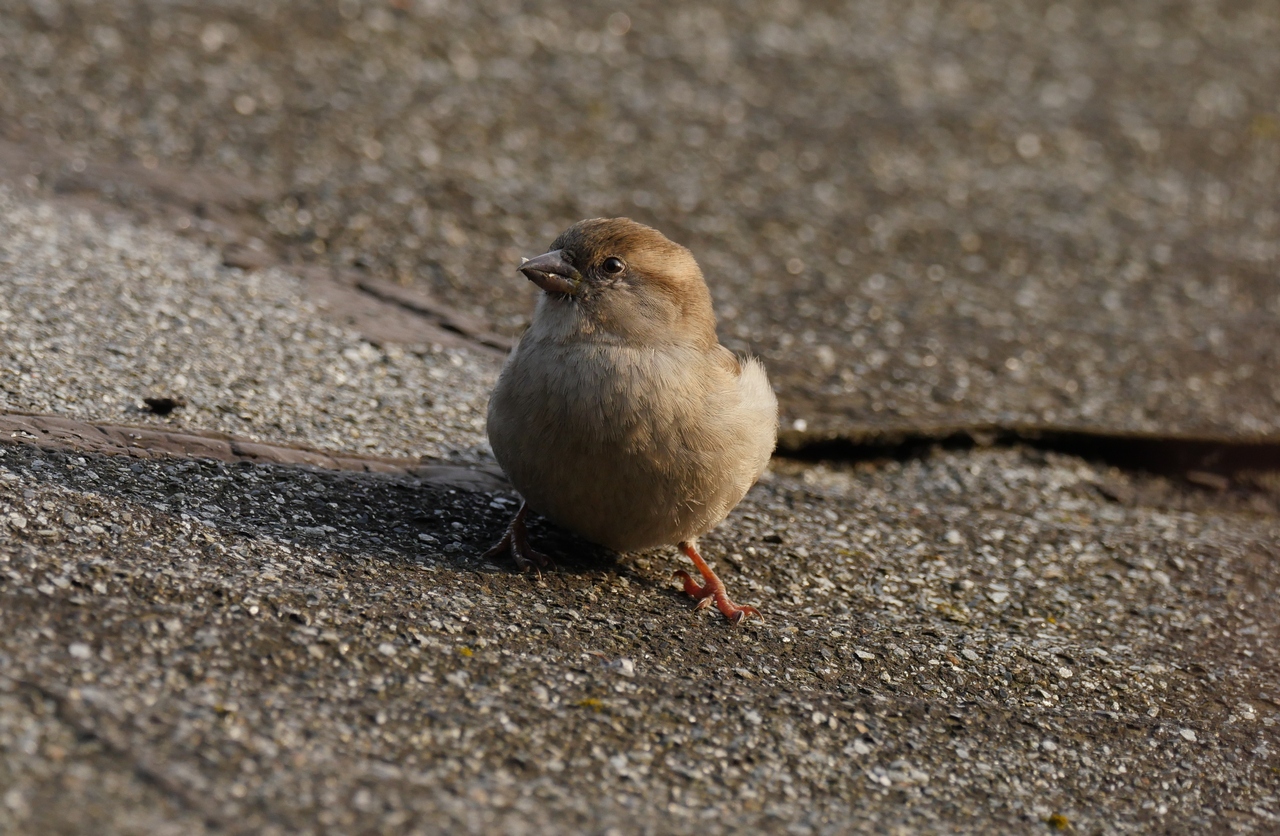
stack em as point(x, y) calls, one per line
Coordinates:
point(712, 588)
point(516, 543)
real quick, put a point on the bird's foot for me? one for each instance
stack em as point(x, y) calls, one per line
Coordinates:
point(516, 544)
point(712, 590)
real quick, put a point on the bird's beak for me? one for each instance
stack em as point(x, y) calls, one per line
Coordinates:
point(552, 273)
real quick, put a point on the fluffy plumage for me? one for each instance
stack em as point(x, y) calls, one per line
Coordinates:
point(619, 415)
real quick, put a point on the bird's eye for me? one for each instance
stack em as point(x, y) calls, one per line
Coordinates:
point(613, 265)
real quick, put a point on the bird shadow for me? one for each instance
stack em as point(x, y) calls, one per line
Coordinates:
point(399, 519)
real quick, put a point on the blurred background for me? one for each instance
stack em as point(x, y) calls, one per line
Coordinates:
point(920, 214)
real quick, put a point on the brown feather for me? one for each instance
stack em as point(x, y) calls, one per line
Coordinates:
point(656, 265)
point(619, 415)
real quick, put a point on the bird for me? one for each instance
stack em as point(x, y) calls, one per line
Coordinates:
point(618, 415)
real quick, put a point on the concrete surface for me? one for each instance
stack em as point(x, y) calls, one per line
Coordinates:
point(264, 611)
point(974, 643)
point(973, 640)
point(1060, 214)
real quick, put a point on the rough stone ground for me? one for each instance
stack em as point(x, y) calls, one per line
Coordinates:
point(974, 640)
point(919, 213)
point(96, 318)
point(1051, 213)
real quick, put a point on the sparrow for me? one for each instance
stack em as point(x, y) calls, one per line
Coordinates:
point(619, 415)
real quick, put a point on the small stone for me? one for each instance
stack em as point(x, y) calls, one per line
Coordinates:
point(79, 650)
point(14, 801)
point(1188, 735)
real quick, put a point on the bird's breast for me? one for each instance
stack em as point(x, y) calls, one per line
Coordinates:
point(630, 447)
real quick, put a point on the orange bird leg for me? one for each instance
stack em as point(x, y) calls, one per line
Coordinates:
point(712, 588)
point(516, 543)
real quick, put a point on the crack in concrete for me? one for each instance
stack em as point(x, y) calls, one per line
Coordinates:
point(1213, 462)
point(54, 432)
point(226, 211)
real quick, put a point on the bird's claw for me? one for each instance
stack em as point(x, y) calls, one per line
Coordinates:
point(531, 559)
point(500, 548)
point(516, 544)
point(524, 557)
point(713, 592)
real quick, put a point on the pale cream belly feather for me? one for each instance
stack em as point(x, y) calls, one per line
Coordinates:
point(577, 428)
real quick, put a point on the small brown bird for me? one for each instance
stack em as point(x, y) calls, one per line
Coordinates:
point(619, 415)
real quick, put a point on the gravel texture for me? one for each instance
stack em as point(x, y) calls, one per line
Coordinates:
point(988, 640)
point(97, 316)
point(1059, 214)
point(917, 213)
point(978, 641)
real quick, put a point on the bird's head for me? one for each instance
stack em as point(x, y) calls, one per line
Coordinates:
point(620, 277)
